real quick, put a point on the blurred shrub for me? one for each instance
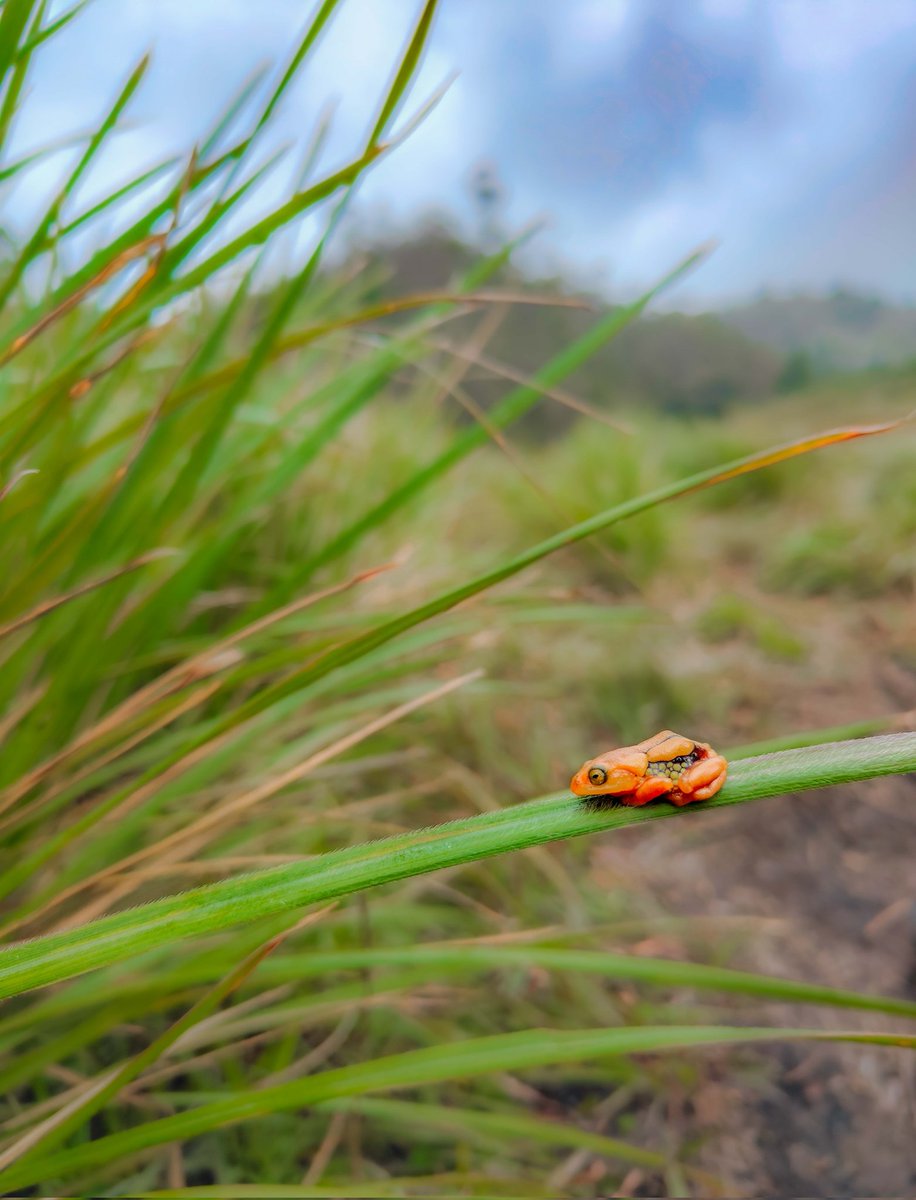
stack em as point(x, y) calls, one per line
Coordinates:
point(597, 467)
point(797, 372)
point(731, 616)
point(642, 697)
point(834, 557)
point(894, 494)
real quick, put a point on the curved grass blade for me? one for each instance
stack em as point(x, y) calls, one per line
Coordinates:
point(39, 241)
point(405, 72)
point(407, 1114)
point(658, 972)
point(461, 1060)
point(240, 900)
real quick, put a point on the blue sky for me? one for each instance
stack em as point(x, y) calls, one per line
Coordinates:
point(785, 129)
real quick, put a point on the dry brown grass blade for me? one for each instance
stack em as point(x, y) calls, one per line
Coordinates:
point(461, 302)
point(333, 1135)
point(189, 837)
point(11, 483)
point(214, 659)
point(83, 386)
point(770, 458)
point(20, 708)
point(49, 606)
point(162, 240)
point(29, 811)
point(558, 395)
point(110, 269)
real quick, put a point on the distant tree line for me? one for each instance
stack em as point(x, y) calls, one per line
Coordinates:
point(686, 364)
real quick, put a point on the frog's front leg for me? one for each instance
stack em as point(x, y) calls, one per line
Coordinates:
point(701, 781)
point(651, 788)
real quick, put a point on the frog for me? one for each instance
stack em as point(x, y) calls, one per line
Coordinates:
point(667, 765)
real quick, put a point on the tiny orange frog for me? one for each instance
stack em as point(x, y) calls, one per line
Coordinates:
point(667, 764)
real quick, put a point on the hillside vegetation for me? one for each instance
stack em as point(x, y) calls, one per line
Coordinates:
point(678, 362)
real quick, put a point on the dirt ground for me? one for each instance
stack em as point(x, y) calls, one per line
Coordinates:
point(833, 873)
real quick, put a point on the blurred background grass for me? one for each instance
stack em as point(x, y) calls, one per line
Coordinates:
point(202, 468)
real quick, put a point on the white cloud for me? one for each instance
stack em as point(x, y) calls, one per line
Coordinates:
point(590, 35)
point(832, 78)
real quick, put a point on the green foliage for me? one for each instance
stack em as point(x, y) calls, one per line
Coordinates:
point(60, 956)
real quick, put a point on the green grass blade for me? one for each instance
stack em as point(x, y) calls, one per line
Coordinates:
point(223, 122)
point(22, 164)
point(406, 1114)
point(45, 32)
point(258, 233)
point(206, 910)
point(23, 58)
point(658, 972)
point(405, 72)
point(465, 1059)
point(13, 21)
point(119, 194)
point(39, 241)
point(61, 1126)
point(217, 214)
point(315, 28)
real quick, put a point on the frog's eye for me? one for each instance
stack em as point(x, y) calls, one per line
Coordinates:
point(597, 776)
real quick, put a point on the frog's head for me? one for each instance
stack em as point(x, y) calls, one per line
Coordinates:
point(617, 773)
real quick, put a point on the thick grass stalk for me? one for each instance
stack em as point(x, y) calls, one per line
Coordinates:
point(247, 898)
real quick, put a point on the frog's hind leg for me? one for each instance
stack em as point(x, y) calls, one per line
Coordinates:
point(703, 779)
